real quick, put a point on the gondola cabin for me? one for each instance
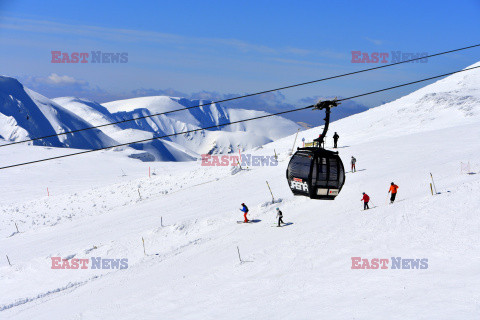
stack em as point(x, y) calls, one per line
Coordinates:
point(316, 173)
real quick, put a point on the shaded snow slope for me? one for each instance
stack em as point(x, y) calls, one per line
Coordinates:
point(26, 114)
point(224, 139)
point(209, 141)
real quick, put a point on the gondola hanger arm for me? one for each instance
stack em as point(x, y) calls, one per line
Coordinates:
point(320, 105)
point(327, 105)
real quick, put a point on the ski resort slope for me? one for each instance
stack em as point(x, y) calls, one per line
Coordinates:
point(191, 269)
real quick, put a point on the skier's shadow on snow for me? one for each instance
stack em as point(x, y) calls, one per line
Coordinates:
point(283, 225)
point(441, 193)
point(357, 171)
point(343, 147)
point(250, 221)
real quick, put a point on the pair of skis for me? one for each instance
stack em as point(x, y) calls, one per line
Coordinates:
point(255, 221)
point(283, 225)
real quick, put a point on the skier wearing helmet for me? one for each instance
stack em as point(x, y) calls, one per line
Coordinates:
point(280, 216)
point(245, 211)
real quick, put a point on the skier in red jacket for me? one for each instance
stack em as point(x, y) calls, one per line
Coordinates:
point(365, 200)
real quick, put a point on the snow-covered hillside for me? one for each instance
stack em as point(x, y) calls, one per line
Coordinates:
point(450, 102)
point(182, 147)
point(25, 114)
point(186, 214)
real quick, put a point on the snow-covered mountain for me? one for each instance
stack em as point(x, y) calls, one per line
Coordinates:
point(181, 147)
point(187, 255)
point(25, 114)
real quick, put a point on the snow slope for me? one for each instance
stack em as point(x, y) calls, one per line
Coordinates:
point(191, 269)
point(450, 102)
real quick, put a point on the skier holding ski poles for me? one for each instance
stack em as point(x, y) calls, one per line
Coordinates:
point(353, 164)
point(280, 217)
point(393, 189)
point(365, 200)
point(244, 209)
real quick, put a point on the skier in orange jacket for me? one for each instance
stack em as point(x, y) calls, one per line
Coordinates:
point(393, 190)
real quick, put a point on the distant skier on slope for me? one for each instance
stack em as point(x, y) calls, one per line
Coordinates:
point(335, 139)
point(280, 216)
point(353, 164)
point(393, 190)
point(365, 200)
point(245, 211)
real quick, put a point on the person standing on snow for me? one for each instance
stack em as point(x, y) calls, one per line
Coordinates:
point(335, 139)
point(365, 200)
point(393, 190)
point(245, 211)
point(353, 164)
point(280, 216)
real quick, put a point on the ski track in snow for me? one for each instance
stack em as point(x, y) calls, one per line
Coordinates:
point(44, 295)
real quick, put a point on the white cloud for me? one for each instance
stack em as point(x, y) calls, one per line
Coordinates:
point(65, 80)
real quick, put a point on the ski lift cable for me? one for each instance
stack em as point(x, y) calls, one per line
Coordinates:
point(229, 123)
point(243, 96)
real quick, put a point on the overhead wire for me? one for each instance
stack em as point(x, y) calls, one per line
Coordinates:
point(241, 97)
point(229, 123)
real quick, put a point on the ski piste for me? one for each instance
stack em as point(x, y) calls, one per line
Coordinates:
point(196, 264)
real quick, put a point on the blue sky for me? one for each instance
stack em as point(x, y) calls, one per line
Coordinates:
point(231, 47)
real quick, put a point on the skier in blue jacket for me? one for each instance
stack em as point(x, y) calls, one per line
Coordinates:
point(245, 211)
